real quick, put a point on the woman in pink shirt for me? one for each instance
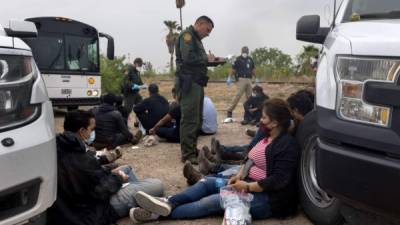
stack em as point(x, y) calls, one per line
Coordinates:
point(269, 174)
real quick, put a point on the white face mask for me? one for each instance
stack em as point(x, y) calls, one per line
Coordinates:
point(91, 138)
point(244, 55)
point(254, 94)
point(140, 69)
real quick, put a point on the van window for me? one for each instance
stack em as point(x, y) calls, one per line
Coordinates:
point(372, 10)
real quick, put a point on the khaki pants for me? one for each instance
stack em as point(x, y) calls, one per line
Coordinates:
point(244, 86)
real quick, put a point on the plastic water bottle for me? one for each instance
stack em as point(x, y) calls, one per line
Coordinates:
point(219, 183)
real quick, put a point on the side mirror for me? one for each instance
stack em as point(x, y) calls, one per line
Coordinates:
point(110, 45)
point(308, 29)
point(21, 29)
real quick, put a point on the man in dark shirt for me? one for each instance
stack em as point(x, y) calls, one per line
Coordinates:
point(111, 128)
point(131, 85)
point(151, 109)
point(244, 70)
point(253, 106)
point(167, 129)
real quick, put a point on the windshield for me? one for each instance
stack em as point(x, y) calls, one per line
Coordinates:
point(372, 10)
point(81, 53)
point(55, 52)
point(48, 51)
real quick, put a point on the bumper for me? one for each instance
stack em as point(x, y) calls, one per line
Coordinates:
point(75, 101)
point(359, 164)
point(28, 170)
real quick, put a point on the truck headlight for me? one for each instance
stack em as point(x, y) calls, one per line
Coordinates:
point(17, 75)
point(352, 73)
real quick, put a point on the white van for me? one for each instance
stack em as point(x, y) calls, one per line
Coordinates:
point(351, 142)
point(27, 137)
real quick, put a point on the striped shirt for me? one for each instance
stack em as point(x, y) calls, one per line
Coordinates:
point(259, 169)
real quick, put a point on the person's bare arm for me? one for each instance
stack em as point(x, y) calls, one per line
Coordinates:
point(167, 118)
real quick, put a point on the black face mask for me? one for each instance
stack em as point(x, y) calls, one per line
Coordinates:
point(264, 128)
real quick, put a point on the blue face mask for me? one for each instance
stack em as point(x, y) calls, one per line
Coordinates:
point(91, 138)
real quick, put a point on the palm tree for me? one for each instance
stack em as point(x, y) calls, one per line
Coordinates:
point(170, 39)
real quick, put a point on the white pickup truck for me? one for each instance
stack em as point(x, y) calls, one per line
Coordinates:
point(351, 142)
point(28, 171)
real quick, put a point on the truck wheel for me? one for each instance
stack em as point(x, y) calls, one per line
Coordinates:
point(319, 206)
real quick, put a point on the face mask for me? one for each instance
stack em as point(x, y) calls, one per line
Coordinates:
point(264, 128)
point(244, 55)
point(254, 94)
point(140, 69)
point(91, 138)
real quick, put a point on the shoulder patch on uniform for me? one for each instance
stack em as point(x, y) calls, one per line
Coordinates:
point(187, 37)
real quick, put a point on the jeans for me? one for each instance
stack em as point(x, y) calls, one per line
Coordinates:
point(124, 200)
point(235, 148)
point(202, 199)
point(169, 133)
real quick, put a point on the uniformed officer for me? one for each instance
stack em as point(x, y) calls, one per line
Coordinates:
point(131, 85)
point(244, 70)
point(191, 78)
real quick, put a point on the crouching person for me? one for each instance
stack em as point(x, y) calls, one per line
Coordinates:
point(87, 193)
point(269, 174)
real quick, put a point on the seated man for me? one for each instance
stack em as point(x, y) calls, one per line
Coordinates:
point(151, 109)
point(111, 129)
point(121, 109)
point(253, 106)
point(170, 132)
point(87, 193)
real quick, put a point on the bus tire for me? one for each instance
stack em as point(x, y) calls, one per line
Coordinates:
point(319, 207)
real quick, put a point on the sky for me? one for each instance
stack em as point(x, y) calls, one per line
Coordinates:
point(138, 29)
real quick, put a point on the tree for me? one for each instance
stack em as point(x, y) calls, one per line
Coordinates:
point(272, 62)
point(112, 74)
point(303, 60)
point(170, 39)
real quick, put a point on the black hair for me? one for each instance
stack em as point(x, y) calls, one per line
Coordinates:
point(206, 19)
point(258, 89)
point(75, 120)
point(153, 88)
point(138, 61)
point(118, 100)
point(109, 98)
point(278, 110)
point(302, 101)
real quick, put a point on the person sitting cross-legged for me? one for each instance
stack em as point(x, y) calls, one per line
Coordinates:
point(87, 193)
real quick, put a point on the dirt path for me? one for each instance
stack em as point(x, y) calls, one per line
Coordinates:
point(163, 160)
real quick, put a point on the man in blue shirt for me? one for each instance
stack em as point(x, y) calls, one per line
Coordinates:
point(244, 70)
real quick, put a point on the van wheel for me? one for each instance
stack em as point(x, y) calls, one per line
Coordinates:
point(319, 206)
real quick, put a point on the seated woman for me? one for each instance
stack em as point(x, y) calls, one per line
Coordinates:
point(271, 178)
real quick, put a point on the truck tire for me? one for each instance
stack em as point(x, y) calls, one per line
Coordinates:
point(319, 207)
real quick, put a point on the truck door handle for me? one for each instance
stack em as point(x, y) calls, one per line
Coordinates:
point(381, 93)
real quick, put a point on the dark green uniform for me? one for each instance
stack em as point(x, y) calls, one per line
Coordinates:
point(131, 97)
point(191, 77)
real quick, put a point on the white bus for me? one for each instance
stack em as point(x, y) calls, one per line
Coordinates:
point(67, 54)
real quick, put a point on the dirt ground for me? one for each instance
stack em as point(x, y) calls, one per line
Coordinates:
point(163, 160)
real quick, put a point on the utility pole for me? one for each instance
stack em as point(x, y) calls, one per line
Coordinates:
point(179, 5)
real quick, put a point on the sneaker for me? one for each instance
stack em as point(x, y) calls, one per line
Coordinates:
point(250, 133)
point(139, 215)
point(191, 174)
point(159, 206)
point(244, 122)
